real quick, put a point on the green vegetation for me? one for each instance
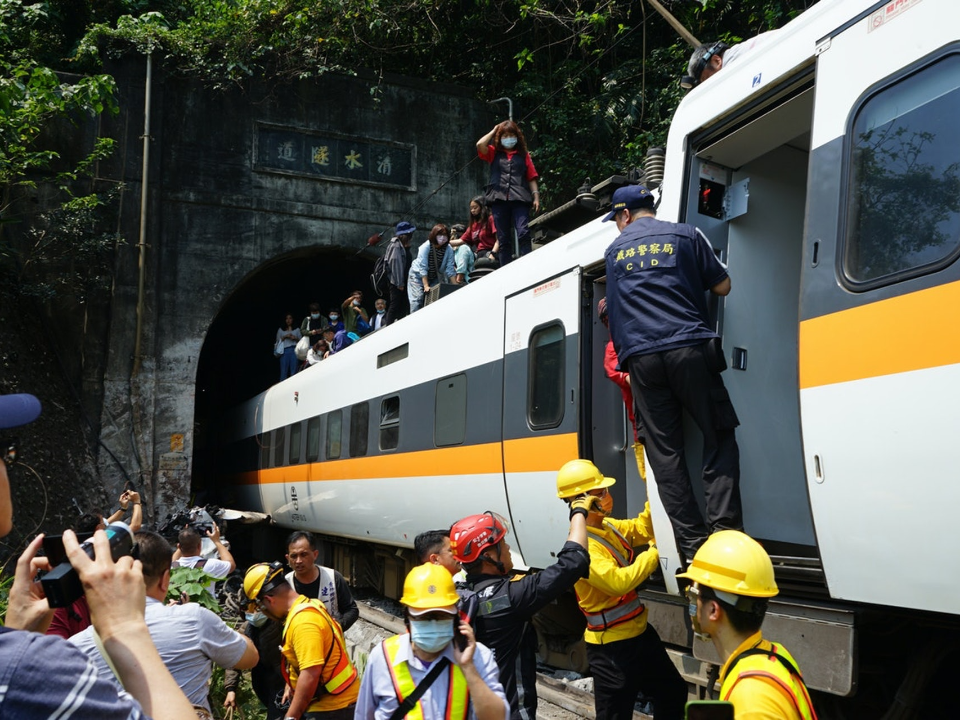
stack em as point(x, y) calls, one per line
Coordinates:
point(192, 582)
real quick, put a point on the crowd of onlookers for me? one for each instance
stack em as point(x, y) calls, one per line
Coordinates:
point(451, 256)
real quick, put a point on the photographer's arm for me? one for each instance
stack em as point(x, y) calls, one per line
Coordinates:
point(222, 551)
point(117, 597)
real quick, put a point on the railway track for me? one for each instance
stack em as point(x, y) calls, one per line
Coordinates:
point(558, 699)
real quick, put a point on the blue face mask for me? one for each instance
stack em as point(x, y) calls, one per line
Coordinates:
point(334, 317)
point(381, 311)
point(431, 635)
point(508, 142)
point(315, 316)
point(257, 619)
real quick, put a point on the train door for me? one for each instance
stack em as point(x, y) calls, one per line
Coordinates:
point(879, 354)
point(540, 410)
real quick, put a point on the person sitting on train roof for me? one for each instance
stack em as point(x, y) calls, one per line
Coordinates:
point(355, 318)
point(460, 674)
point(313, 324)
point(433, 546)
point(318, 352)
point(708, 59)
point(432, 266)
point(317, 581)
point(463, 260)
point(625, 653)
point(378, 320)
point(507, 603)
point(732, 582)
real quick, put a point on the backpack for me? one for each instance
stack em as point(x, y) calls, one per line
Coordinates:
point(379, 278)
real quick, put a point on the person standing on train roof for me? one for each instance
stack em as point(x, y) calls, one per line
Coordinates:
point(513, 187)
point(625, 653)
point(732, 582)
point(398, 259)
point(438, 656)
point(315, 659)
point(317, 581)
point(507, 603)
point(658, 274)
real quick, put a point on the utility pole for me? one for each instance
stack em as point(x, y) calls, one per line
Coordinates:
point(674, 23)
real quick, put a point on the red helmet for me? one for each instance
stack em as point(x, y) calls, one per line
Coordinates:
point(474, 534)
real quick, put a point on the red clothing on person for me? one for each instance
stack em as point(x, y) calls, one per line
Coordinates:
point(622, 379)
point(492, 152)
point(480, 236)
point(68, 621)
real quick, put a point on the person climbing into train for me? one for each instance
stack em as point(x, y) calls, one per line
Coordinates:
point(437, 668)
point(622, 380)
point(732, 583)
point(625, 653)
point(658, 274)
point(513, 187)
point(506, 603)
point(315, 662)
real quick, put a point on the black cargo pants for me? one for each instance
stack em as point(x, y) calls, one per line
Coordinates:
point(665, 384)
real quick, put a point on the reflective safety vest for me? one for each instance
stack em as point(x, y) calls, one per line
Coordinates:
point(333, 679)
point(458, 696)
point(775, 667)
point(627, 606)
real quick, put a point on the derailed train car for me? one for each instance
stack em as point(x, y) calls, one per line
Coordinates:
point(824, 167)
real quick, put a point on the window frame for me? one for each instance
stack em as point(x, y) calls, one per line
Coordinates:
point(314, 422)
point(532, 367)
point(844, 231)
point(359, 428)
point(338, 415)
point(436, 410)
point(386, 427)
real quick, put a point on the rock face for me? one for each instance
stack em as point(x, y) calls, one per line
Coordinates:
point(260, 200)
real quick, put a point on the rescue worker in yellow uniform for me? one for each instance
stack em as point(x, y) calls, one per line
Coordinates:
point(732, 580)
point(436, 670)
point(625, 654)
point(315, 662)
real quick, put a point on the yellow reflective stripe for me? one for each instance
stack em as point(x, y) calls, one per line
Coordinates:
point(342, 678)
point(458, 696)
point(763, 666)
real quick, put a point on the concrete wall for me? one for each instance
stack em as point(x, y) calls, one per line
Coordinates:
point(230, 192)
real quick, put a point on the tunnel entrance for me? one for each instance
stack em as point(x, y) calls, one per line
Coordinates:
point(237, 362)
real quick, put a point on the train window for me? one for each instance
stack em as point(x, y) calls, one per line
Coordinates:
point(295, 443)
point(450, 416)
point(334, 431)
point(395, 355)
point(278, 447)
point(545, 377)
point(359, 429)
point(313, 439)
point(390, 423)
point(903, 203)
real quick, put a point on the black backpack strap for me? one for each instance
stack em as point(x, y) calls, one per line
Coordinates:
point(791, 668)
point(413, 698)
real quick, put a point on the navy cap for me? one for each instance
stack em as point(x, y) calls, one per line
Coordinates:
point(17, 410)
point(405, 228)
point(631, 197)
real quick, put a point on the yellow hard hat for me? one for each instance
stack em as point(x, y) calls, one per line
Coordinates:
point(429, 587)
point(262, 578)
point(731, 561)
point(578, 476)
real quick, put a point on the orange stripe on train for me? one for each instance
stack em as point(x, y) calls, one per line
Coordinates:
point(901, 334)
point(545, 453)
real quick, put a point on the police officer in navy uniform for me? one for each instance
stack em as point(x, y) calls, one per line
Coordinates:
point(658, 274)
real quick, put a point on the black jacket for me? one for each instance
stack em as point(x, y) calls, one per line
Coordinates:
point(502, 622)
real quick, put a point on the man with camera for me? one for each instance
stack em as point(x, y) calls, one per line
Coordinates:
point(46, 676)
point(188, 551)
point(188, 637)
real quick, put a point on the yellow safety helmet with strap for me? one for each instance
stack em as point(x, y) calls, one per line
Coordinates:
point(261, 579)
point(731, 561)
point(578, 476)
point(429, 586)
